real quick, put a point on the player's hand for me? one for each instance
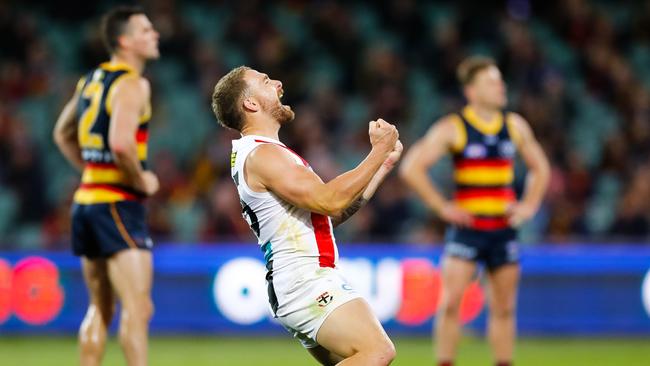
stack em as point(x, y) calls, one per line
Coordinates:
point(150, 183)
point(393, 156)
point(456, 215)
point(519, 212)
point(383, 135)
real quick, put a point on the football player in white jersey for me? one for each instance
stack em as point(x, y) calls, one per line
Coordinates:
point(292, 212)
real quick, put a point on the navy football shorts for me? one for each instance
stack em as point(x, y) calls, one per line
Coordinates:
point(494, 248)
point(103, 229)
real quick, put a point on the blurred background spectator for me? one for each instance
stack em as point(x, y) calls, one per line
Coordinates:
point(578, 70)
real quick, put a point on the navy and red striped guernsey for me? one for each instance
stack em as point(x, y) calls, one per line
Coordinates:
point(484, 168)
point(102, 181)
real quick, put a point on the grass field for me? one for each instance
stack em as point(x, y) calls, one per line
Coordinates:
point(24, 351)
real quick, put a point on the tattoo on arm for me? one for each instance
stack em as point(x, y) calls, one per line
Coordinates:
point(349, 211)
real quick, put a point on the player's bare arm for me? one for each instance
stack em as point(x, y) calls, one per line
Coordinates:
point(65, 133)
point(370, 190)
point(271, 168)
point(538, 172)
point(425, 153)
point(129, 100)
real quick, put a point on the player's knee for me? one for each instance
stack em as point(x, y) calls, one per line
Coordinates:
point(102, 310)
point(450, 305)
point(147, 309)
point(389, 352)
point(384, 353)
point(503, 312)
point(139, 311)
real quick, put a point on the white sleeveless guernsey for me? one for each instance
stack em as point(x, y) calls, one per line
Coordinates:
point(299, 250)
point(288, 235)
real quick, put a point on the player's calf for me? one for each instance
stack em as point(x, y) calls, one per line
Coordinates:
point(93, 333)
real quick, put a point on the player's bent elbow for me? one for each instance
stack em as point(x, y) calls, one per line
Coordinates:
point(58, 137)
point(340, 202)
point(119, 148)
point(546, 168)
point(62, 141)
point(334, 213)
point(61, 138)
point(408, 173)
point(330, 200)
point(542, 170)
point(333, 209)
point(402, 172)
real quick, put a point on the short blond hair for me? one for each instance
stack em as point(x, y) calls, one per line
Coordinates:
point(467, 70)
point(227, 97)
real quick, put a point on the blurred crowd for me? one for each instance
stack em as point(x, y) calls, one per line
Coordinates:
point(579, 71)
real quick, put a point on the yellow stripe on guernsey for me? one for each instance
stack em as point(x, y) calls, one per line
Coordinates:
point(485, 206)
point(87, 196)
point(97, 175)
point(461, 135)
point(146, 115)
point(142, 150)
point(117, 66)
point(484, 176)
point(102, 183)
point(80, 85)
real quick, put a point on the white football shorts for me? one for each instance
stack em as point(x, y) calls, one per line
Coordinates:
point(306, 304)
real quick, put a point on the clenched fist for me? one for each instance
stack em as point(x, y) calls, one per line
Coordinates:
point(383, 135)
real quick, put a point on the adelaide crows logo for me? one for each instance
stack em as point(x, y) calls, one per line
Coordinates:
point(324, 299)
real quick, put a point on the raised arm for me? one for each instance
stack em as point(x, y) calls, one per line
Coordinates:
point(538, 171)
point(271, 168)
point(128, 101)
point(439, 140)
point(65, 132)
point(370, 190)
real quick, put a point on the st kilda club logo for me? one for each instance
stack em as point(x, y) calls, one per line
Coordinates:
point(324, 299)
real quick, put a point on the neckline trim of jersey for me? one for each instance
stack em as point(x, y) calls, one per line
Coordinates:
point(264, 138)
point(116, 66)
point(486, 127)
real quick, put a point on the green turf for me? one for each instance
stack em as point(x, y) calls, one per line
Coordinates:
point(24, 351)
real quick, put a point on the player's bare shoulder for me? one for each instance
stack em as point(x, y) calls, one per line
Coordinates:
point(266, 162)
point(266, 155)
point(519, 128)
point(517, 120)
point(131, 88)
point(136, 83)
point(144, 85)
point(448, 120)
point(447, 132)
